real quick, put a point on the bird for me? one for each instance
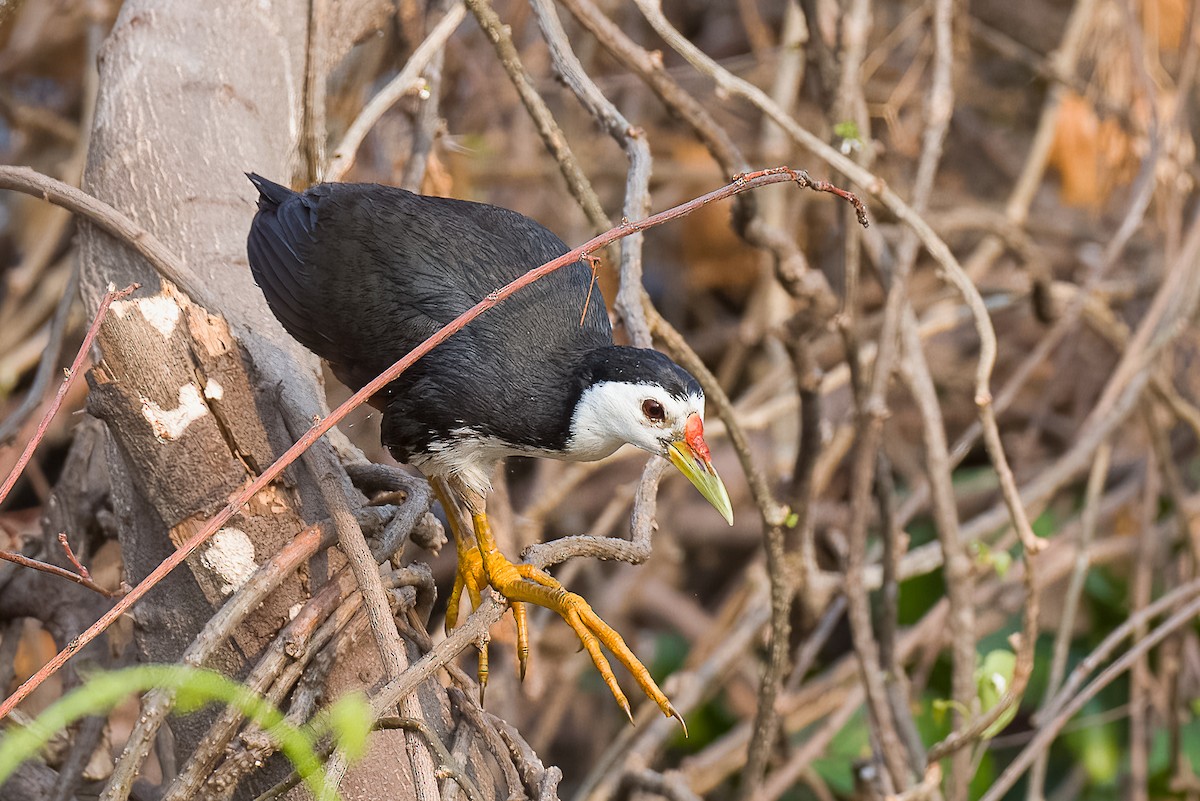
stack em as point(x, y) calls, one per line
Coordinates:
point(361, 273)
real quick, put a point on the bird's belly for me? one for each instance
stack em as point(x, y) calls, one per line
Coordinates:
point(470, 457)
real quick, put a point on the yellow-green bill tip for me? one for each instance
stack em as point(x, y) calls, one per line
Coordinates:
point(703, 476)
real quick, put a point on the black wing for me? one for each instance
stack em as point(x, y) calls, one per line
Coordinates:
point(361, 274)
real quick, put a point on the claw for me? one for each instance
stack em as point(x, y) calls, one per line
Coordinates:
point(679, 717)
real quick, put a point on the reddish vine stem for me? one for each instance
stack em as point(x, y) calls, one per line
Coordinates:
point(73, 371)
point(55, 570)
point(741, 183)
point(79, 566)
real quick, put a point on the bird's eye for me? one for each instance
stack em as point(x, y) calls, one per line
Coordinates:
point(653, 410)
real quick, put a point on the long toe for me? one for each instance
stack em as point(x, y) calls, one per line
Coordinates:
point(470, 577)
point(598, 659)
point(520, 583)
point(521, 618)
point(613, 641)
point(540, 588)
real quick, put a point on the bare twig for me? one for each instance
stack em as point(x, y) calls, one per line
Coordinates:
point(784, 779)
point(541, 780)
point(1053, 724)
point(45, 372)
point(637, 150)
point(485, 725)
point(1062, 639)
point(323, 465)
point(694, 686)
point(448, 766)
point(71, 373)
point(158, 703)
point(1021, 198)
point(111, 221)
point(70, 554)
point(273, 676)
point(547, 127)
point(404, 83)
point(55, 570)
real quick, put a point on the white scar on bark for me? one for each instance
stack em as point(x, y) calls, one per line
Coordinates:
point(230, 554)
point(169, 424)
point(160, 311)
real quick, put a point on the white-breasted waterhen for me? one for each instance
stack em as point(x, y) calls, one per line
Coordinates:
point(362, 273)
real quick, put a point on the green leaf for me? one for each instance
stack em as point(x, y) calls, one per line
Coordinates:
point(1097, 749)
point(192, 688)
point(350, 721)
point(993, 677)
point(846, 129)
point(985, 557)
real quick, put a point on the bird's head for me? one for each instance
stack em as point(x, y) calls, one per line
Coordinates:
point(642, 398)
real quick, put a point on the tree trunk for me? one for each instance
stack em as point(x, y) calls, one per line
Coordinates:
point(191, 95)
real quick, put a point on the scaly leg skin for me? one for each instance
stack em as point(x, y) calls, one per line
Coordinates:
point(471, 577)
point(526, 583)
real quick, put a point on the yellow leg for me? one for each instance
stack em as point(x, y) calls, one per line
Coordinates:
point(526, 583)
point(471, 577)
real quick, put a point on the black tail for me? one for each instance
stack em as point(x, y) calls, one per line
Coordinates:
point(269, 193)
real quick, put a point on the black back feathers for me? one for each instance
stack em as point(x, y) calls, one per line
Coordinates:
point(361, 274)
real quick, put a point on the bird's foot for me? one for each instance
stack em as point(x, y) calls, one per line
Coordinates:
point(484, 565)
point(472, 578)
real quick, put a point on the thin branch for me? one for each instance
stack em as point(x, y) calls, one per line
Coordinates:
point(1050, 728)
point(111, 221)
point(328, 618)
point(55, 570)
point(158, 703)
point(637, 150)
point(45, 372)
point(542, 780)
point(547, 127)
point(71, 373)
point(1062, 62)
point(468, 706)
point(274, 675)
point(936, 246)
point(404, 83)
point(1066, 627)
point(635, 550)
point(1029, 627)
point(448, 766)
point(784, 779)
point(744, 623)
point(323, 466)
point(70, 554)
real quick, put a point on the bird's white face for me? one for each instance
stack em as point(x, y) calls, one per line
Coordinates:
point(611, 414)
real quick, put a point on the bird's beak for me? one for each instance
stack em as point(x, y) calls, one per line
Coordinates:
point(693, 459)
